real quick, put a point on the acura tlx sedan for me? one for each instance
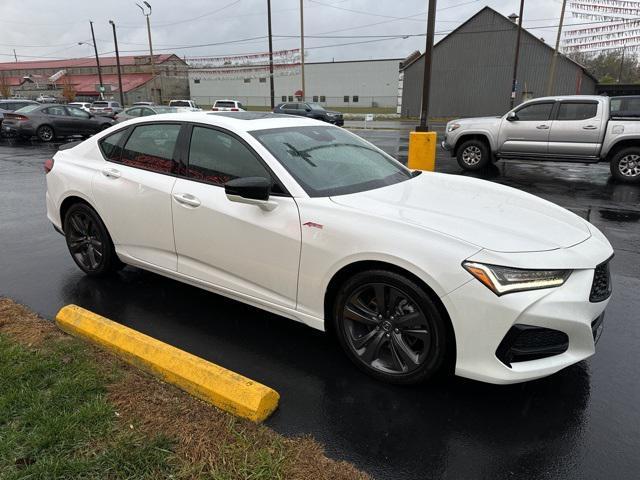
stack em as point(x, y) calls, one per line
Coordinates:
point(413, 272)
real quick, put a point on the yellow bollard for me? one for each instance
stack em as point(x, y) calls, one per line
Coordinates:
point(422, 151)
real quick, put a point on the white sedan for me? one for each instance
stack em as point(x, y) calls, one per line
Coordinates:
point(414, 272)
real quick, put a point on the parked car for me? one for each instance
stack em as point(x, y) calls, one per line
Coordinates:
point(46, 99)
point(86, 106)
point(575, 128)
point(185, 105)
point(311, 110)
point(227, 106)
point(105, 108)
point(11, 105)
point(48, 122)
point(410, 270)
point(143, 111)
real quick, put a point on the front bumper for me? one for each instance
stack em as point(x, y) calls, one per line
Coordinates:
point(481, 321)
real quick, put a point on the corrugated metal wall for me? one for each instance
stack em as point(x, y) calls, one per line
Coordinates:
point(473, 67)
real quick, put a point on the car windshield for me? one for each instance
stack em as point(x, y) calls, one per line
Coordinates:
point(179, 103)
point(27, 109)
point(316, 106)
point(165, 109)
point(100, 104)
point(225, 104)
point(327, 160)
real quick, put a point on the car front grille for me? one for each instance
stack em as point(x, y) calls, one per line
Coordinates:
point(601, 286)
point(523, 343)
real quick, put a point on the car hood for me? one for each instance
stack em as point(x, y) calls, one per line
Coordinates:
point(480, 212)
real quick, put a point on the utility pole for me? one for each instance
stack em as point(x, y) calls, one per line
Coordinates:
point(621, 64)
point(95, 49)
point(514, 82)
point(428, 57)
point(14, 55)
point(115, 41)
point(302, 46)
point(153, 66)
point(271, 90)
point(552, 70)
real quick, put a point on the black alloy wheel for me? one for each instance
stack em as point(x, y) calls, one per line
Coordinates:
point(45, 133)
point(89, 242)
point(390, 328)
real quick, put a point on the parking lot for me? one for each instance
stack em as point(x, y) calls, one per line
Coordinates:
point(580, 423)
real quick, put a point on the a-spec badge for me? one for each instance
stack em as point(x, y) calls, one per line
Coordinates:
point(313, 225)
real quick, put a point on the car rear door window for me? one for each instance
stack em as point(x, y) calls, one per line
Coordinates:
point(151, 147)
point(57, 111)
point(577, 110)
point(78, 113)
point(111, 145)
point(216, 157)
point(535, 112)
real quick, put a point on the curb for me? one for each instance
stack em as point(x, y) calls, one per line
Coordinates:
point(223, 388)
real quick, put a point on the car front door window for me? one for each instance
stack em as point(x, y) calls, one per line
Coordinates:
point(535, 113)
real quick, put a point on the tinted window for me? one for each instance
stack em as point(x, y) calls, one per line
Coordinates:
point(27, 109)
point(330, 161)
point(100, 104)
point(535, 112)
point(577, 111)
point(625, 104)
point(151, 147)
point(115, 104)
point(76, 112)
point(110, 146)
point(225, 104)
point(216, 157)
point(290, 106)
point(59, 111)
point(179, 103)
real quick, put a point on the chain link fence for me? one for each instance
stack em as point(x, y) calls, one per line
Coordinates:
point(350, 103)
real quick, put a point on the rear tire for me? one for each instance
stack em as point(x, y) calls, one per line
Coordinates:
point(625, 165)
point(389, 327)
point(473, 155)
point(45, 133)
point(89, 242)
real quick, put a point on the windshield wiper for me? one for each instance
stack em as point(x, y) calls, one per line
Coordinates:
point(294, 152)
point(415, 173)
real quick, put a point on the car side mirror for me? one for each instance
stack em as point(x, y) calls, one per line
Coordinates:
point(307, 109)
point(250, 190)
point(512, 116)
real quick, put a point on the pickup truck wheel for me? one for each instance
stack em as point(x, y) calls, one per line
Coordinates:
point(625, 165)
point(473, 155)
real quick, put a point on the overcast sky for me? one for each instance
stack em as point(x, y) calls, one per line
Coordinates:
point(45, 28)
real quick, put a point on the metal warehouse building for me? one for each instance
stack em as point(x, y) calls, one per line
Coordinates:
point(473, 69)
point(358, 83)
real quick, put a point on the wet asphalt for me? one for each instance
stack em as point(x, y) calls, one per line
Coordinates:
point(583, 422)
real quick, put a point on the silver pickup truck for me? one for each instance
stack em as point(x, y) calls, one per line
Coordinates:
point(577, 128)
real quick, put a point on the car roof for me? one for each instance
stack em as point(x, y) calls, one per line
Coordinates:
point(569, 97)
point(14, 100)
point(236, 121)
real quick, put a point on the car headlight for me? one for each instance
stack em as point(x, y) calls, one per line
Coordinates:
point(452, 126)
point(502, 280)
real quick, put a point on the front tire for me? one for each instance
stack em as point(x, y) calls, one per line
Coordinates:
point(473, 155)
point(45, 133)
point(389, 327)
point(89, 242)
point(625, 165)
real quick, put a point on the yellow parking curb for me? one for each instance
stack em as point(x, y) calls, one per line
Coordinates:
point(225, 389)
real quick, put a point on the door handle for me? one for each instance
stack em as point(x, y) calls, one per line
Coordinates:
point(543, 127)
point(589, 127)
point(111, 173)
point(186, 199)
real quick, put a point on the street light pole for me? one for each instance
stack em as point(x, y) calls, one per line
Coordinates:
point(302, 46)
point(271, 90)
point(552, 70)
point(115, 41)
point(153, 66)
point(428, 57)
point(515, 62)
point(95, 49)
